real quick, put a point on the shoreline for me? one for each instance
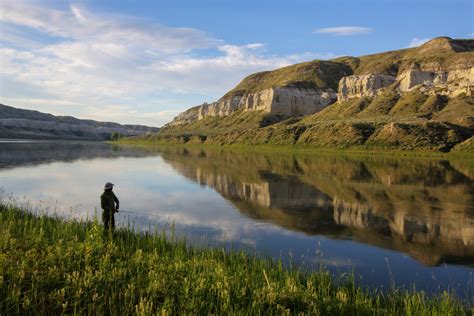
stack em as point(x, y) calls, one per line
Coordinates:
point(300, 149)
point(56, 266)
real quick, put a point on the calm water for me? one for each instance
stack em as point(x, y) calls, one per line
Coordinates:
point(389, 219)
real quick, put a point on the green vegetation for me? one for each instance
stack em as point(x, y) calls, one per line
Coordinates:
point(115, 136)
point(53, 266)
point(391, 120)
point(445, 53)
point(313, 74)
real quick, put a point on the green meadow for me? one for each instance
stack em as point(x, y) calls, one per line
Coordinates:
point(50, 265)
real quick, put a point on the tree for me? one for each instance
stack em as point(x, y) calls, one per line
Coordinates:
point(115, 136)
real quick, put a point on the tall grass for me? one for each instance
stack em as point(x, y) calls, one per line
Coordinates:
point(49, 265)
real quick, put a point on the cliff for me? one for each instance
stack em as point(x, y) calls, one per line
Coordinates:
point(284, 101)
point(19, 123)
point(417, 98)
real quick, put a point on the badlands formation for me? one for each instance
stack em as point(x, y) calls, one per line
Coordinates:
point(408, 99)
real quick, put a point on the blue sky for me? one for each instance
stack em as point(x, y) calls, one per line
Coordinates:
point(143, 62)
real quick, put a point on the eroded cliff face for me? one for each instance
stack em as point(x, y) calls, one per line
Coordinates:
point(442, 67)
point(362, 86)
point(451, 83)
point(185, 117)
point(284, 101)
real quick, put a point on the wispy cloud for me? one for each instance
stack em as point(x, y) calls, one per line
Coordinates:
point(344, 30)
point(415, 42)
point(70, 55)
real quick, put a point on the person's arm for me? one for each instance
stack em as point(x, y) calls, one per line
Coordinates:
point(116, 202)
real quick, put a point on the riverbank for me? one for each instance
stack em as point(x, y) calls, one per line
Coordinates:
point(54, 266)
point(150, 143)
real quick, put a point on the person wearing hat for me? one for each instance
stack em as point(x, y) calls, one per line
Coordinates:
point(110, 205)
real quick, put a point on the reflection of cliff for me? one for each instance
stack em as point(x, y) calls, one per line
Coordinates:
point(422, 207)
point(429, 240)
point(425, 208)
point(37, 152)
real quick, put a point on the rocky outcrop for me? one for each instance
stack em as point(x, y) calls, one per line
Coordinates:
point(295, 90)
point(409, 87)
point(452, 83)
point(282, 101)
point(285, 101)
point(185, 117)
point(362, 86)
point(19, 123)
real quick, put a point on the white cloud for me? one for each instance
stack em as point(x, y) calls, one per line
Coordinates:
point(415, 42)
point(344, 30)
point(96, 60)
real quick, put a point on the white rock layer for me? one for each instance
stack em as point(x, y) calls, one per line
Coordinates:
point(362, 86)
point(286, 101)
point(292, 101)
point(452, 83)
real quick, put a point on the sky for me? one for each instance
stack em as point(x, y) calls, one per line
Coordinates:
point(144, 62)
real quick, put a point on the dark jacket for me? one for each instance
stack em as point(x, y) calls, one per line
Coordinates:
point(107, 200)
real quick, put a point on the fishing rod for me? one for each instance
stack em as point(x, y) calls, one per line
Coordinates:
point(138, 213)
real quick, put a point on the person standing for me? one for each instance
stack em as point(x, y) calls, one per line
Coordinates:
point(110, 206)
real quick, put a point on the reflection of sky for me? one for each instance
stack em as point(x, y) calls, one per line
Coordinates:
point(150, 187)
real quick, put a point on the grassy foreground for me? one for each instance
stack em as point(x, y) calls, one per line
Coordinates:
point(49, 266)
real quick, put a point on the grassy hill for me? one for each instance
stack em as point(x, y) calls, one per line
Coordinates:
point(444, 52)
point(313, 74)
point(390, 120)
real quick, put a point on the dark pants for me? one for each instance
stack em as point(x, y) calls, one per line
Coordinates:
point(109, 219)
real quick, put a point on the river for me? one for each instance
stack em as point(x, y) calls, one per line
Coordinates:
point(390, 221)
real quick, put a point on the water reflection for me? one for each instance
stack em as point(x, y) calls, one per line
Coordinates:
point(421, 207)
point(412, 217)
point(15, 153)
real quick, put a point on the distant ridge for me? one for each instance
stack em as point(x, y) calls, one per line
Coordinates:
point(20, 123)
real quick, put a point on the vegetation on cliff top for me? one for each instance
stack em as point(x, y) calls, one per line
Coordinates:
point(442, 52)
point(313, 74)
point(52, 266)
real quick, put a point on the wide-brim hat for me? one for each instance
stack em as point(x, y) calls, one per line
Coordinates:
point(108, 186)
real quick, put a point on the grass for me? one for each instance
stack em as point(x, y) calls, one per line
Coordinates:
point(388, 121)
point(326, 74)
point(150, 143)
point(313, 74)
point(51, 266)
point(413, 121)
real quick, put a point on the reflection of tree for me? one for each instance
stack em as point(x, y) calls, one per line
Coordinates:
point(423, 207)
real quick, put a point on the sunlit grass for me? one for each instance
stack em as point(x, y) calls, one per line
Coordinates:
point(51, 265)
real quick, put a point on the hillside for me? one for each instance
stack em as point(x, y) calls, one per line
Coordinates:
point(19, 123)
point(416, 98)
